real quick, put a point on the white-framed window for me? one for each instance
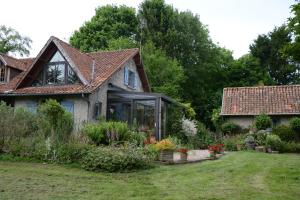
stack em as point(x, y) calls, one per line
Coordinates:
point(2, 75)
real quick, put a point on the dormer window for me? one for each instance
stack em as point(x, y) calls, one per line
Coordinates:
point(2, 74)
point(56, 72)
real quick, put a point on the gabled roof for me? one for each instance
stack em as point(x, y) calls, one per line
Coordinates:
point(93, 69)
point(271, 100)
point(20, 64)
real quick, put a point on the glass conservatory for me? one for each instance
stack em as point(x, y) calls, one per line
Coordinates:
point(148, 112)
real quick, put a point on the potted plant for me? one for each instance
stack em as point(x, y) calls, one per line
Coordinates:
point(183, 153)
point(273, 143)
point(250, 142)
point(166, 148)
point(213, 151)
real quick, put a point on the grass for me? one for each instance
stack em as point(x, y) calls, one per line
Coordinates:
point(238, 175)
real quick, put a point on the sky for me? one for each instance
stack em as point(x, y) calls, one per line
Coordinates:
point(233, 24)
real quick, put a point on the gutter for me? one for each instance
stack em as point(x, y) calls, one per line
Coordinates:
point(42, 94)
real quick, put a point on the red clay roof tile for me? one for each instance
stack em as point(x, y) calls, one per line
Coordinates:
point(271, 100)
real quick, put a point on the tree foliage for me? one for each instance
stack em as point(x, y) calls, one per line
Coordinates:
point(269, 50)
point(12, 42)
point(110, 22)
point(180, 58)
point(164, 74)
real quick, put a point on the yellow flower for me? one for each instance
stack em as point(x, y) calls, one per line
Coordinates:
point(165, 144)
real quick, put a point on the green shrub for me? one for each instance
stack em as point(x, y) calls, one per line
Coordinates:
point(274, 142)
point(290, 147)
point(260, 137)
point(95, 132)
point(231, 142)
point(230, 128)
point(203, 138)
point(284, 132)
point(114, 159)
point(136, 138)
point(262, 122)
point(27, 147)
point(295, 126)
point(70, 152)
point(109, 132)
point(56, 119)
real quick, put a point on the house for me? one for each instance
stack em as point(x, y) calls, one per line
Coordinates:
point(241, 104)
point(110, 84)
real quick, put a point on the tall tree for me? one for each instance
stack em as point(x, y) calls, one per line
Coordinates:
point(294, 25)
point(165, 74)
point(183, 36)
point(246, 71)
point(12, 42)
point(110, 22)
point(269, 50)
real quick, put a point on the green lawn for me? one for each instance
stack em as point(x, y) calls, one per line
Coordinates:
point(242, 175)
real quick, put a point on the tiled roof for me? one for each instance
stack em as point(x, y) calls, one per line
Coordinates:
point(83, 62)
point(20, 64)
point(105, 65)
point(271, 100)
point(62, 89)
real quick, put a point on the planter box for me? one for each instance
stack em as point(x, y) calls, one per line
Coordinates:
point(166, 156)
point(260, 149)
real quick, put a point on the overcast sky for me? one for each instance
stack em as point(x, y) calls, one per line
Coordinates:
point(233, 24)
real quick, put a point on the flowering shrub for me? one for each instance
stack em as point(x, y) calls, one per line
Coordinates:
point(189, 127)
point(165, 144)
point(217, 148)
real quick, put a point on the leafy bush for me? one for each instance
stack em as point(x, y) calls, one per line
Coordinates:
point(260, 137)
point(216, 118)
point(284, 132)
point(295, 126)
point(262, 122)
point(165, 144)
point(230, 143)
point(56, 119)
point(15, 124)
point(230, 128)
point(290, 147)
point(95, 132)
point(274, 142)
point(70, 152)
point(250, 141)
point(203, 138)
point(110, 132)
point(136, 138)
point(114, 159)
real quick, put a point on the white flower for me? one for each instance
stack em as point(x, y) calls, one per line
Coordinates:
point(189, 127)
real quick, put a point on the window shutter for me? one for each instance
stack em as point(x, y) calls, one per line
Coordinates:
point(68, 106)
point(97, 111)
point(126, 75)
point(31, 106)
point(135, 81)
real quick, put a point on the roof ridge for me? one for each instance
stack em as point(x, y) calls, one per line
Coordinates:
point(59, 40)
point(105, 51)
point(265, 86)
